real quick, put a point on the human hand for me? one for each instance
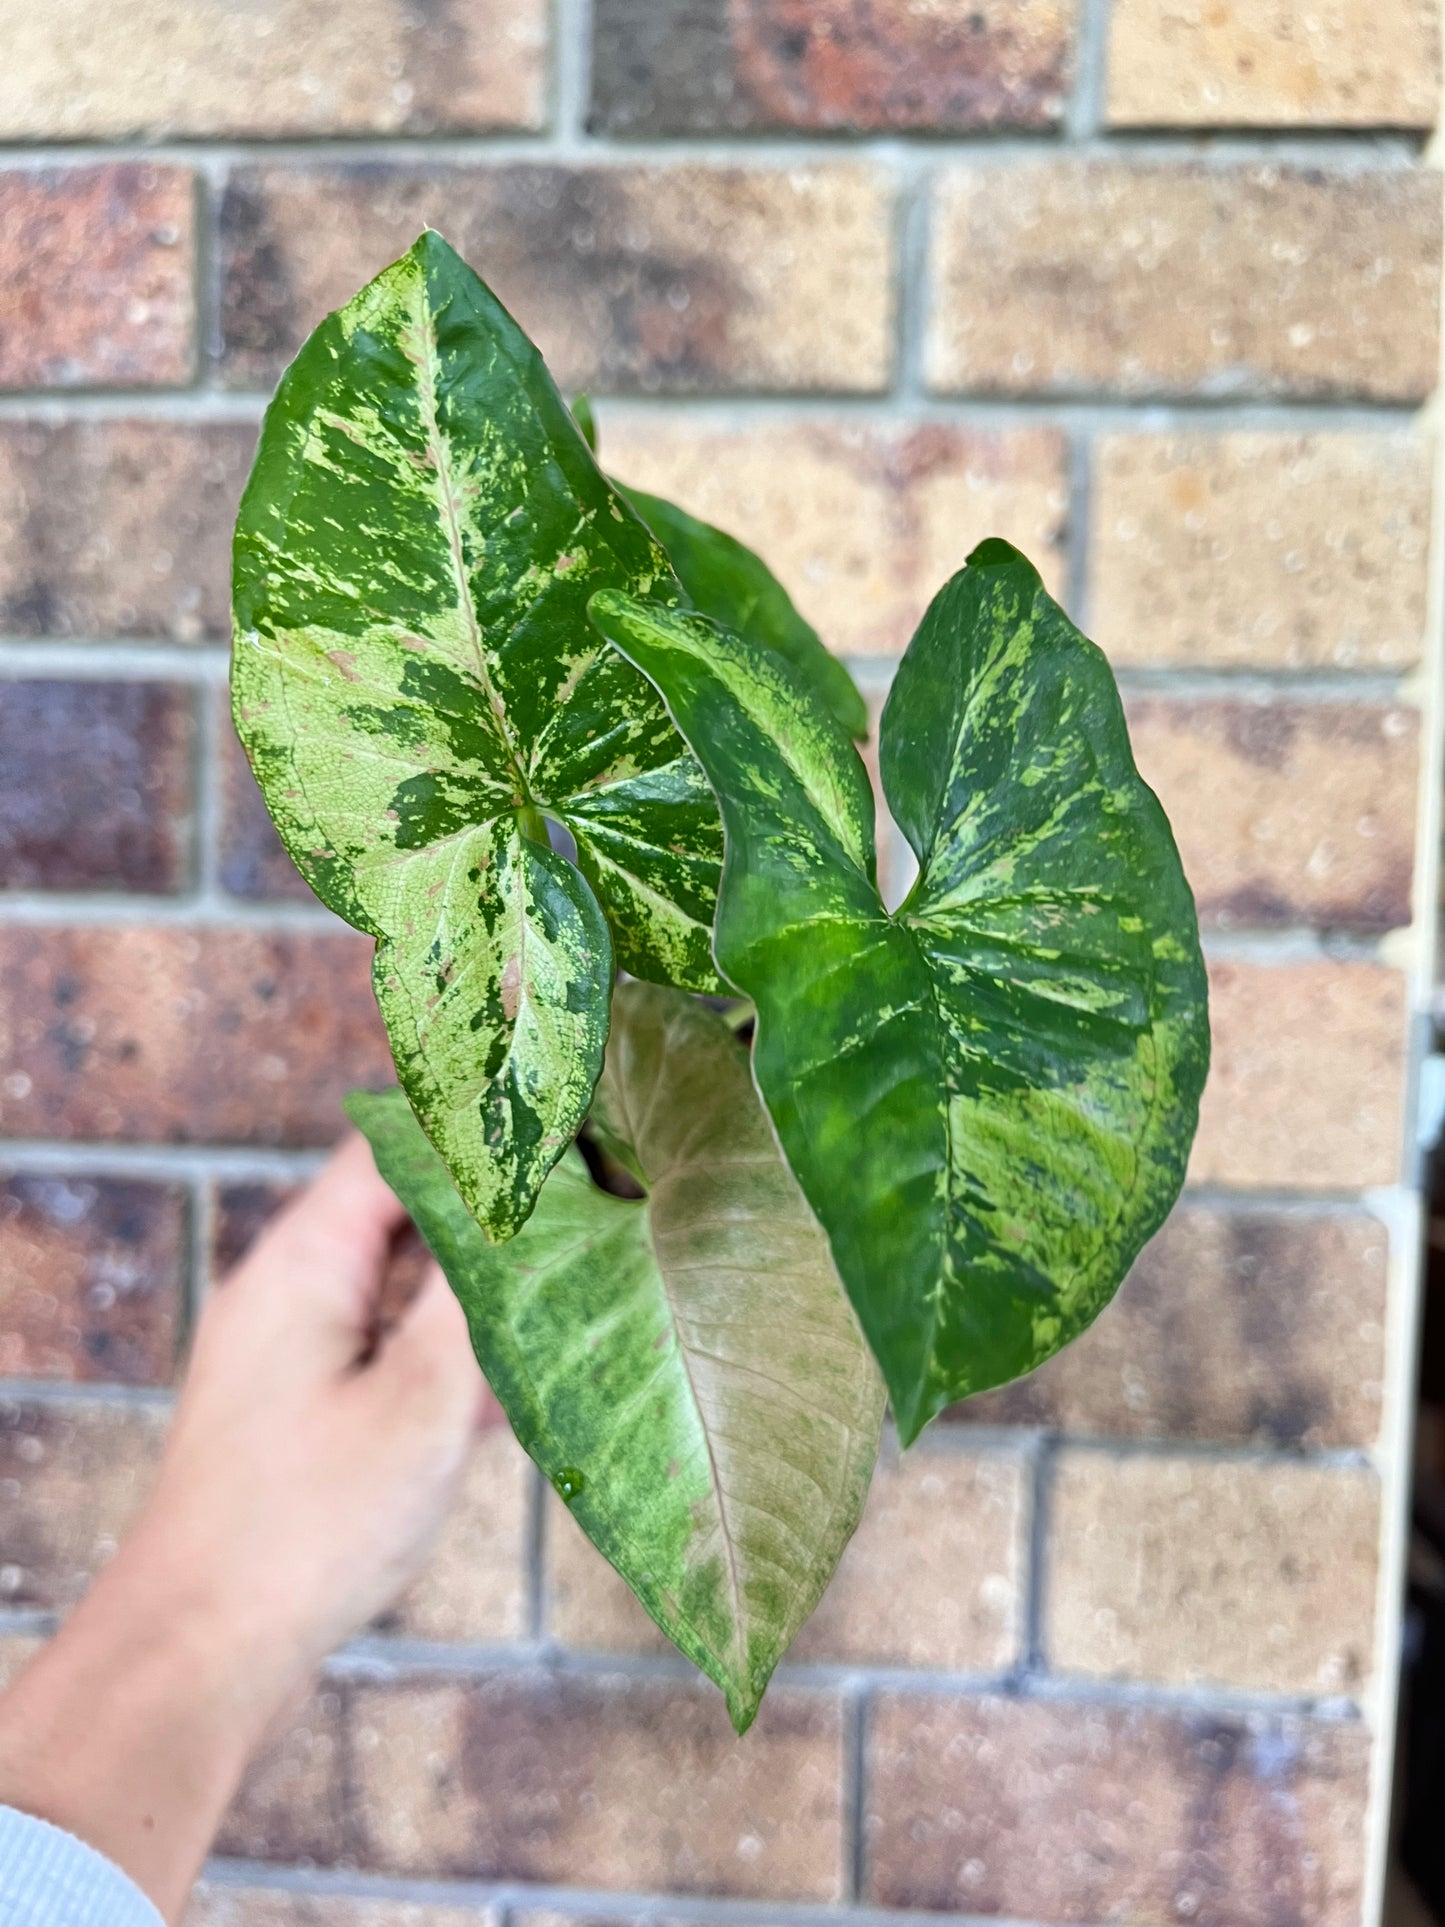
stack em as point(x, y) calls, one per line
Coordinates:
point(317, 1444)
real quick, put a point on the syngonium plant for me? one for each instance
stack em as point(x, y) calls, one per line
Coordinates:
point(575, 761)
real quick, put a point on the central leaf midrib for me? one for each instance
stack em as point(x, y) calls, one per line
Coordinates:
point(428, 368)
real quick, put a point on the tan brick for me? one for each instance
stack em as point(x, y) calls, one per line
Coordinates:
point(1272, 63)
point(205, 1035)
point(1233, 1325)
point(281, 68)
point(1187, 1571)
point(292, 1804)
point(598, 1783)
point(119, 528)
point(934, 1575)
point(684, 277)
point(932, 1578)
point(1061, 1812)
point(1286, 812)
point(1185, 278)
point(861, 523)
point(1255, 550)
point(213, 1905)
point(475, 1586)
point(672, 67)
point(91, 1277)
point(1306, 1084)
point(74, 1477)
point(96, 268)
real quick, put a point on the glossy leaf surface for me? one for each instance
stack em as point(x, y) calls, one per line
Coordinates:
point(417, 687)
point(989, 1096)
point(725, 580)
point(686, 1368)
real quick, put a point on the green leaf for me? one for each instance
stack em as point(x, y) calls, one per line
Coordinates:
point(989, 1096)
point(417, 687)
point(685, 1369)
point(736, 588)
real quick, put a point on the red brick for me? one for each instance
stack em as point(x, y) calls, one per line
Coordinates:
point(119, 528)
point(95, 786)
point(74, 1477)
point(189, 1036)
point(1233, 1325)
point(1063, 1812)
point(684, 277)
point(599, 1783)
point(1075, 277)
point(254, 863)
point(96, 269)
point(1284, 812)
point(673, 67)
point(91, 1278)
point(1306, 1083)
point(292, 1804)
point(239, 1214)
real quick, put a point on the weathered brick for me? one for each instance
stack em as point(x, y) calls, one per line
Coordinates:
point(1185, 278)
point(862, 523)
point(95, 785)
point(525, 1776)
point(1190, 1571)
point(254, 863)
point(191, 1036)
point(1306, 1081)
point(1049, 1811)
point(684, 277)
point(1234, 1326)
point(292, 1804)
point(932, 1578)
point(1256, 550)
point(213, 1905)
point(91, 1278)
point(1270, 63)
point(1287, 812)
point(277, 70)
point(689, 67)
point(475, 1585)
point(119, 528)
point(74, 1477)
point(239, 1213)
point(96, 267)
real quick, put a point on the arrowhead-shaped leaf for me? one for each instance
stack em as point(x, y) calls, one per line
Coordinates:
point(726, 581)
point(989, 1096)
point(684, 1368)
point(417, 687)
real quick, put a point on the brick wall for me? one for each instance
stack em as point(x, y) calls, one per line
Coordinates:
point(1151, 291)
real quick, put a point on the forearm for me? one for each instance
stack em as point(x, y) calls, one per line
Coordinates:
point(132, 1727)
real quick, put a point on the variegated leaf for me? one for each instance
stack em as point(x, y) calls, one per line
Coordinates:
point(685, 1369)
point(989, 1096)
point(418, 690)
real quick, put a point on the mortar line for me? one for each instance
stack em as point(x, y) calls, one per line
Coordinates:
point(571, 78)
point(1349, 151)
point(912, 272)
point(1084, 120)
point(536, 1555)
point(1035, 1602)
point(856, 1718)
point(208, 666)
point(1164, 414)
point(1079, 459)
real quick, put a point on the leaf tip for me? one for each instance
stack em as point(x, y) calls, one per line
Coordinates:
point(994, 553)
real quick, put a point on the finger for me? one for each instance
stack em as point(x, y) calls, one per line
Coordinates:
point(428, 1354)
point(326, 1253)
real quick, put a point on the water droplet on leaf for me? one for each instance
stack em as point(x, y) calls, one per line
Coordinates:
point(568, 1482)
